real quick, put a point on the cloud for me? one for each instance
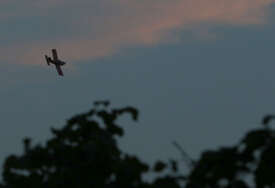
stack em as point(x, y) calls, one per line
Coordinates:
point(85, 30)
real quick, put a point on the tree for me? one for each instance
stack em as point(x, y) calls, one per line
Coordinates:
point(229, 167)
point(84, 154)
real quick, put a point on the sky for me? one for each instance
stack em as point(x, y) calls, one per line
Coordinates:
point(201, 72)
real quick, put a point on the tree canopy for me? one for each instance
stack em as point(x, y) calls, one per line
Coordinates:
point(250, 163)
point(85, 154)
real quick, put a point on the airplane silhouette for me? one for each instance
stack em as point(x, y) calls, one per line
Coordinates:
point(58, 63)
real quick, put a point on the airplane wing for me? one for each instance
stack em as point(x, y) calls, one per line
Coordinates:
point(58, 68)
point(55, 57)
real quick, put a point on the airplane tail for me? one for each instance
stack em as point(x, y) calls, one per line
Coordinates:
point(47, 60)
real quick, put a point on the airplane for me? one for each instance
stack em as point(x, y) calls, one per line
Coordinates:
point(58, 63)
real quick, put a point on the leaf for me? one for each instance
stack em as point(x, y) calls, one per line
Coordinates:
point(159, 166)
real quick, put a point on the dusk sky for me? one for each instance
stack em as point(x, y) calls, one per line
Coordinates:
point(201, 72)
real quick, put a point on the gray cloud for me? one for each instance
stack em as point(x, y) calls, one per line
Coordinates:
point(85, 29)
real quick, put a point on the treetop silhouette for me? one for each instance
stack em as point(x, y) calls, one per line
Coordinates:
point(85, 154)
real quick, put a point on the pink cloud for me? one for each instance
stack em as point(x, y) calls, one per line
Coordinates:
point(107, 26)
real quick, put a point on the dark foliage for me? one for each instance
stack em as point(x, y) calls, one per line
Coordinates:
point(231, 167)
point(84, 154)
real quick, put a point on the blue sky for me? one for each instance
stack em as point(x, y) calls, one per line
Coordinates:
point(201, 72)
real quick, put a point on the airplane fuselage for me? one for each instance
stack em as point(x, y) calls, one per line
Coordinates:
point(58, 62)
point(55, 62)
